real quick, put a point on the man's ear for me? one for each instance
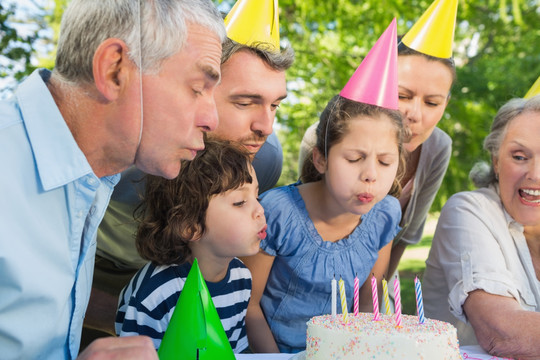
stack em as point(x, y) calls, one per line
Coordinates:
point(319, 161)
point(111, 67)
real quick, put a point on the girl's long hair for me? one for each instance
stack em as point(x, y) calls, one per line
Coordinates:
point(334, 125)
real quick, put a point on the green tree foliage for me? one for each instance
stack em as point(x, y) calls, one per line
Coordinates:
point(497, 52)
point(28, 35)
point(15, 49)
point(503, 64)
point(53, 18)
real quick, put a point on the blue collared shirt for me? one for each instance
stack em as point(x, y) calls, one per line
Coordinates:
point(50, 208)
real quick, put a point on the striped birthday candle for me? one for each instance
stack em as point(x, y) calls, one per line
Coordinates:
point(397, 302)
point(341, 285)
point(419, 300)
point(386, 297)
point(356, 294)
point(375, 298)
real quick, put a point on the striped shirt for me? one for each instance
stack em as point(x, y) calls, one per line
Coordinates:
point(147, 303)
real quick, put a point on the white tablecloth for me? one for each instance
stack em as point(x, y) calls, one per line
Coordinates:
point(263, 356)
point(468, 353)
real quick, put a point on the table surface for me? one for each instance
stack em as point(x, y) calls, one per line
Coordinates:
point(468, 352)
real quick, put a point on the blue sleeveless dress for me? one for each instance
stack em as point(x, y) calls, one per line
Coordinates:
point(299, 283)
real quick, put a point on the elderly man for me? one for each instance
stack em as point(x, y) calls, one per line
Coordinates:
point(133, 84)
point(252, 86)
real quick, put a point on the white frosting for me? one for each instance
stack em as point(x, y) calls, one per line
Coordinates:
point(362, 338)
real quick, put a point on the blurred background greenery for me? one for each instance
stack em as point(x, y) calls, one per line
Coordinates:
point(411, 265)
point(497, 52)
point(496, 49)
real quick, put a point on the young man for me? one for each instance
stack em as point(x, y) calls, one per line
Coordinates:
point(133, 84)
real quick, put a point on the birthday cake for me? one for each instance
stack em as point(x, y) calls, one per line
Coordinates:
point(329, 337)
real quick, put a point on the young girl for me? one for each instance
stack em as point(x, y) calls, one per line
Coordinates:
point(424, 92)
point(426, 76)
point(332, 224)
point(210, 212)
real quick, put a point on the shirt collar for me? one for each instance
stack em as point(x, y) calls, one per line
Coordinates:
point(59, 160)
point(509, 219)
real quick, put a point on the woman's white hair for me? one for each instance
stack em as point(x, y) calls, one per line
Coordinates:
point(152, 29)
point(482, 174)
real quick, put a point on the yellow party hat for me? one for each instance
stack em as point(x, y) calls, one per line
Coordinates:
point(433, 33)
point(254, 21)
point(534, 90)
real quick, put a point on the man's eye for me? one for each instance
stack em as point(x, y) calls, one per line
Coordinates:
point(239, 203)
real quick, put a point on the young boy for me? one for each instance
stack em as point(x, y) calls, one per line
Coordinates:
point(210, 212)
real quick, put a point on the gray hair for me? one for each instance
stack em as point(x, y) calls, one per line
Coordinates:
point(482, 174)
point(280, 60)
point(158, 33)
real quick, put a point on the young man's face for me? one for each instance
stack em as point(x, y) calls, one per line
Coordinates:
point(247, 99)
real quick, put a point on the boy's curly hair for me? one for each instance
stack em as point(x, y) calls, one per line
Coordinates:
point(173, 212)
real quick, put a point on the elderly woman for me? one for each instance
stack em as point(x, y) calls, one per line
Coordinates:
point(483, 269)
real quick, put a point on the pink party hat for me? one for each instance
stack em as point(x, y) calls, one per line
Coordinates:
point(375, 80)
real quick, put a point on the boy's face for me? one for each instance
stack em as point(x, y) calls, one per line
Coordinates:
point(235, 222)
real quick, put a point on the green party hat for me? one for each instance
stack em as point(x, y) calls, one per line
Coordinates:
point(195, 330)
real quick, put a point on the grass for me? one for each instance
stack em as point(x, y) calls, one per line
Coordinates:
point(408, 269)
